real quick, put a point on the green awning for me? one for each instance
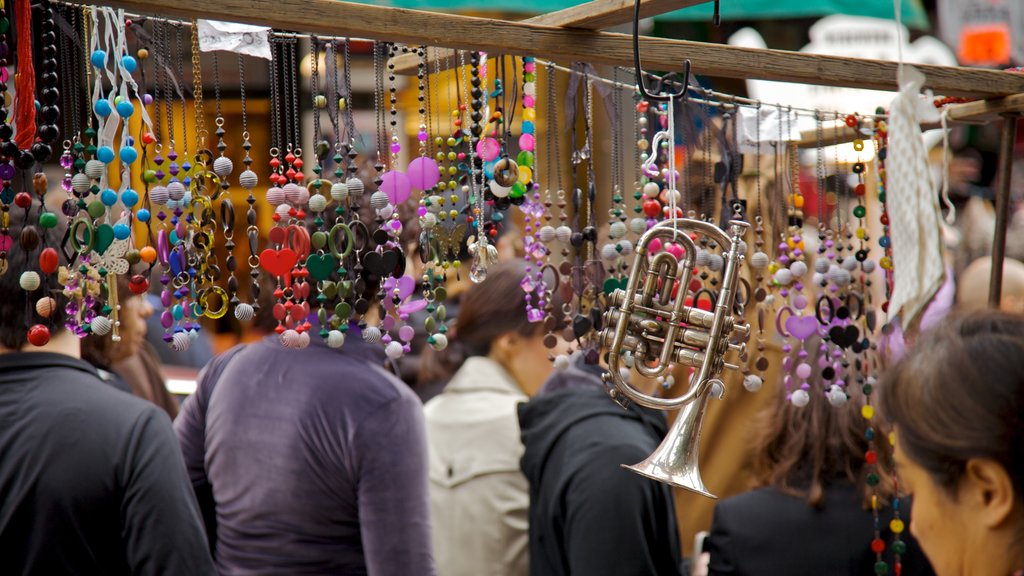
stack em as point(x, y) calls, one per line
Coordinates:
point(913, 12)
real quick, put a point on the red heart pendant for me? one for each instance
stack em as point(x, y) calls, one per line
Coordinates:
point(278, 262)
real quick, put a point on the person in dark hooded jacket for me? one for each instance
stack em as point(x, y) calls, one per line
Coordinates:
point(588, 515)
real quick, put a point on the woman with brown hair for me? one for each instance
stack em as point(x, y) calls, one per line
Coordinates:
point(479, 498)
point(957, 404)
point(131, 364)
point(811, 513)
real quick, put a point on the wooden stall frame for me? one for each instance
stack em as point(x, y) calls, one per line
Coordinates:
point(1002, 92)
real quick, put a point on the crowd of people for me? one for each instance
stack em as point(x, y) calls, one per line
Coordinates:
point(323, 461)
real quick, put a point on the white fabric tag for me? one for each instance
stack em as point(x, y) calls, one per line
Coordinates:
point(769, 118)
point(231, 37)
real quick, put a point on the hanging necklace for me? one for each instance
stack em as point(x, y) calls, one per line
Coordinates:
point(248, 180)
point(758, 262)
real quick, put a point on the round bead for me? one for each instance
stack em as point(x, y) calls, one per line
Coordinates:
point(867, 412)
point(800, 398)
point(95, 170)
point(617, 230)
point(248, 179)
point(716, 262)
point(38, 335)
point(98, 58)
point(46, 306)
point(223, 166)
point(129, 198)
point(176, 190)
point(652, 190)
point(546, 234)
point(244, 312)
point(563, 233)
point(798, 268)
point(29, 281)
point(290, 339)
point(101, 325)
point(752, 382)
point(703, 257)
point(783, 277)
point(839, 276)
point(562, 362)
point(159, 195)
point(379, 200)
point(625, 247)
point(275, 196)
point(371, 335)
point(296, 194)
point(81, 183)
point(609, 252)
point(836, 396)
point(317, 202)
point(102, 108)
point(438, 341)
point(821, 265)
point(335, 339)
point(759, 260)
point(896, 526)
point(393, 350)
point(105, 154)
point(637, 225)
point(125, 108)
point(339, 191)
point(355, 186)
point(180, 342)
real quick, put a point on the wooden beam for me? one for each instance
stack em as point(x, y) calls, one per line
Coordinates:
point(986, 110)
point(593, 15)
point(333, 17)
point(601, 14)
point(832, 133)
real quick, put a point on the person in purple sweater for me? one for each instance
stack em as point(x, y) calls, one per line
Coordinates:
point(309, 461)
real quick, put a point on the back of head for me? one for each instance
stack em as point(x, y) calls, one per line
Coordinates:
point(959, 395)
point(801, 449)
point(973, 285)
point(495, 307)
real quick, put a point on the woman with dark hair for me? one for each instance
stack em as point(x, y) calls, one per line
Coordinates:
point(479, 498)
point(957, 404)
point(811, 512)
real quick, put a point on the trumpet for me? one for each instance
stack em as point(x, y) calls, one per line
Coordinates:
point(650, 321)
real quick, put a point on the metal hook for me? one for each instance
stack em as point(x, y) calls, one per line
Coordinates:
point(667, 80)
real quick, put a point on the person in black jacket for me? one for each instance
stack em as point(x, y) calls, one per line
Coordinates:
point(811, 514)
point(588, 515)
point(91, 479)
